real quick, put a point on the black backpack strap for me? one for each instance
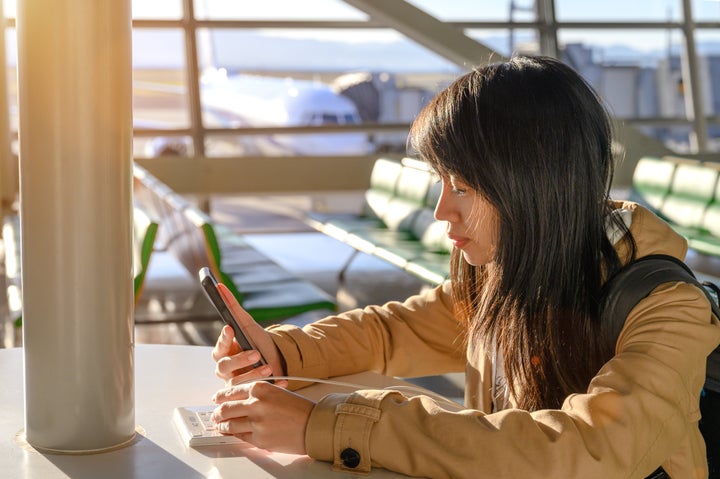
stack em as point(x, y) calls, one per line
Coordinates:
point(624, 290)
point(637, 280)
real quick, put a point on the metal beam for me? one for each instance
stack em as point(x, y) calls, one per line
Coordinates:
point(691, 82)
point(259, 175)
point(444, 39)
point(545, 11)
point(193, 80)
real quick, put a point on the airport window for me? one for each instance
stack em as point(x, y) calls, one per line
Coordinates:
point(507, 41)
point(276, 10)
point(160, 92)
point(706, 10)
point(632, 52)
point(636, 78)
point(376, 76)
point(316, 53)
point(157, 9)
point(618, 10)
point(479, 10)
point(636, 68)
point(709, 79)
point(641, 78)
point(159, 79)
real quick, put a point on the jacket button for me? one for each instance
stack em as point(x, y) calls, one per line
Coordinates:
point(350, 458)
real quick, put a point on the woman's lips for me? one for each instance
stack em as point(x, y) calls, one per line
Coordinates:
point(458, 241)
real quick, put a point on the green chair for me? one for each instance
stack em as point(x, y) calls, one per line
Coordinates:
point(144, 234)
point(651, 181)
point(265, 290)
point(691, 191)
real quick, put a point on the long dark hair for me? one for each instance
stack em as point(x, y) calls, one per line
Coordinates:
point(534, 139)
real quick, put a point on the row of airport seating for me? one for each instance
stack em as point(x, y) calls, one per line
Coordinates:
point(397, 221)
point(166, 222)
point(397, 225)
point(686, 193)
point(144, 234)
point(266, 290)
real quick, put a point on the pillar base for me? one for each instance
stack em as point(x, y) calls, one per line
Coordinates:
point(21, 441)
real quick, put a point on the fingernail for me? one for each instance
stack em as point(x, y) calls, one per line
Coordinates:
point(254, 356)
point(265, 370)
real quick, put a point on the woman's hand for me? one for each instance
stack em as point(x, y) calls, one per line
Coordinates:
point(232, 364)
point(264, 415)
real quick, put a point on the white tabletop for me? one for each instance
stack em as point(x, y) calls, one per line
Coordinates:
point(166, 376)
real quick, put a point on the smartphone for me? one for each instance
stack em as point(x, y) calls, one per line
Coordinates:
point(209, 285)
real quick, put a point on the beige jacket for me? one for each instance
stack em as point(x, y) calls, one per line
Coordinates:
point(640, 410)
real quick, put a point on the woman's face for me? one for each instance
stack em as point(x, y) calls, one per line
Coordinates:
point(472, 221)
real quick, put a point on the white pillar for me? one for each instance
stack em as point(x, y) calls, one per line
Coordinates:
point(75, 99)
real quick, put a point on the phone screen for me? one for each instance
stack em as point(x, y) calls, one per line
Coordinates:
point(209, 285)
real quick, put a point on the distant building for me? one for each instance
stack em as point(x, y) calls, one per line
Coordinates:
point(636, 91)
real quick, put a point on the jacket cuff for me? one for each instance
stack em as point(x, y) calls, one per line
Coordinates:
point(318, 433)
point(301, 355)
point(350, 418)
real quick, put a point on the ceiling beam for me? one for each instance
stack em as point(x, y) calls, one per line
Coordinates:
point(442, 38)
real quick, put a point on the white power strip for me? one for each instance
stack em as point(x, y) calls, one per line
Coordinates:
point(197, 429)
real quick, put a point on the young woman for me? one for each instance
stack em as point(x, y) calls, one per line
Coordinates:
point(523, 151)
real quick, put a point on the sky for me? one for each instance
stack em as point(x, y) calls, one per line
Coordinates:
point(452, 10)
point(448, 10)
point(566, 10)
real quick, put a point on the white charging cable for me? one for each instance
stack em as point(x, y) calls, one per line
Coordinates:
point(441, 400)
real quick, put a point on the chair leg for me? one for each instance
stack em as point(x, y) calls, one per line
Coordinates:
point(346, 266)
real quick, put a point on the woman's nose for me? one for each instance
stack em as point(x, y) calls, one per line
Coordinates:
point(444, 207)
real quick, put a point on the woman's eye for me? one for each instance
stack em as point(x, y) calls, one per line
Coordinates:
point(453, 185)
point(458, 188)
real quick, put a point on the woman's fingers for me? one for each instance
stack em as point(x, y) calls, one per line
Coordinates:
point(228, 367)
point(239, 426)
point(230, 360)
point(264, 415)
point(239, 368)
point(255, 333)
point(225, 346)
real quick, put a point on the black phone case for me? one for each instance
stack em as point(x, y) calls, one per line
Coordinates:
point(209, 285)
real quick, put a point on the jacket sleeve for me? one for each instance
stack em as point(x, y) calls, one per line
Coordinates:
point(636, 412)
point(417, 337)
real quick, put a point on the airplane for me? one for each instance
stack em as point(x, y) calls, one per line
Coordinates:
point(232, 101)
